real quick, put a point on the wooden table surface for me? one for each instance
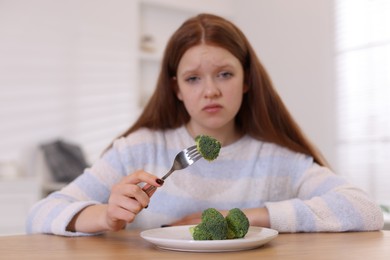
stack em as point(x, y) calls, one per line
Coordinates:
point(129, 245)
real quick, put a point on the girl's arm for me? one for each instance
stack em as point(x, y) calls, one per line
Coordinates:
point(325, 202)
point(126, 200)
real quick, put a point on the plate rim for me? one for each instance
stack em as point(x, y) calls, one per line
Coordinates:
point(209, 245)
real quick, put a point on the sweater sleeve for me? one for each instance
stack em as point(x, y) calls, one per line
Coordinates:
point(325, 202)
point(52, 214)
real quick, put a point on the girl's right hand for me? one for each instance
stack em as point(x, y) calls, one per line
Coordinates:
point(127, 199)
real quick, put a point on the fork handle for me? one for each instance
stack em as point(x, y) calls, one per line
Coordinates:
point(150, 189)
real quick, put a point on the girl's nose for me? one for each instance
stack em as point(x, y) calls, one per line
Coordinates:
point(211, 89)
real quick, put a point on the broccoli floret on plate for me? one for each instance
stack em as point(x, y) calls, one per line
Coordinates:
point(238, 224)
point(208, 147)
point(212, 227)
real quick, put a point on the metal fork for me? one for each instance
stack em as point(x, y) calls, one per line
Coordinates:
point(182, 160)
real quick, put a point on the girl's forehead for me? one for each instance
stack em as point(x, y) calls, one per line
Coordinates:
point(205, 54)
point(206, 49)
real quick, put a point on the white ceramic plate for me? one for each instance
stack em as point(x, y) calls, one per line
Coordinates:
point(179, 238)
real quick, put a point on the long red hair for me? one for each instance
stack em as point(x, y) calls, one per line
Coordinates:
point(262, 115)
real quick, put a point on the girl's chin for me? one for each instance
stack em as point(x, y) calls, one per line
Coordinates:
point(210, 124)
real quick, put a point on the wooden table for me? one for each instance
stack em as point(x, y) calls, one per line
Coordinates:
point(129, 245)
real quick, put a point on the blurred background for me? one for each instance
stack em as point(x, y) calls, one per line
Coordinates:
point(81, 71)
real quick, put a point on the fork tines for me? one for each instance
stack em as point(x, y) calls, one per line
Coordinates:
point(193, 153)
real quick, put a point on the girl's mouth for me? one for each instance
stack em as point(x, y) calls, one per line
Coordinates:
point(212, 108)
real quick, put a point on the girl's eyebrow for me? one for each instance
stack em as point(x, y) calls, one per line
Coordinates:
point(226, 66)
point(190, 70)
point(217, 67)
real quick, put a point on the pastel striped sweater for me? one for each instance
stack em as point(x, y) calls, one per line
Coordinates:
point(300, 195)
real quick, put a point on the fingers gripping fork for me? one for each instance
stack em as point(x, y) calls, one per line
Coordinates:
point(182, 160)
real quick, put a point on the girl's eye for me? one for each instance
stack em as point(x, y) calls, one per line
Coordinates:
point(225, 75)
point(192, 79)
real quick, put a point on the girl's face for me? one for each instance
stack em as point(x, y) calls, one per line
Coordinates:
point(211, 86)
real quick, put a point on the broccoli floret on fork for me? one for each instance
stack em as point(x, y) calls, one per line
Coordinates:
point(208, 147)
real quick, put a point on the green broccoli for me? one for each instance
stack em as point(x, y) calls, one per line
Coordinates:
point(212, 227)
point(208, 147)
point(238, 224)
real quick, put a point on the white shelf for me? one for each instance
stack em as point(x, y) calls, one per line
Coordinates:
point(150, 57)
point(157, 20)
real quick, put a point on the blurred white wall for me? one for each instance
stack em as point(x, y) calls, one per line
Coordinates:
point(294, 41)
point(66, 71)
